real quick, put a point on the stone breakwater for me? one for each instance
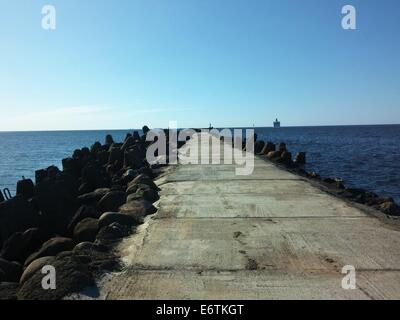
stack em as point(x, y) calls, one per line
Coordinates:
point(72, 218)
point(279, 154)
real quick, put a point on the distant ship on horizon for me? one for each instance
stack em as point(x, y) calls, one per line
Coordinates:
point(277, 123)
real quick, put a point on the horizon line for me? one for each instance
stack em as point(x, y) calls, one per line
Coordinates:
point(234, 127)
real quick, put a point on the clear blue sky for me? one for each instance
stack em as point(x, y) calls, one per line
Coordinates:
point(119, 64)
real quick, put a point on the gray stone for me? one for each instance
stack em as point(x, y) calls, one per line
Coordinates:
point(51, 248)
point(72, 276)
point(111, 201)
point(123, 219)
point(35, 266)
point(86, 230)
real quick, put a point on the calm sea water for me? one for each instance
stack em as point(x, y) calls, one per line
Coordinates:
point(363, 156)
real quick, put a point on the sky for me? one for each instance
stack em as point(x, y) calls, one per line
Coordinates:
point(120, 64)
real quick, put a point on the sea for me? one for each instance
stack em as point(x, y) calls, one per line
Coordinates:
point(362, 156)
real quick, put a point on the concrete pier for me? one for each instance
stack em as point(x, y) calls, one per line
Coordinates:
point(270, 235)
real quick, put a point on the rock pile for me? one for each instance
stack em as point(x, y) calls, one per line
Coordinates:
point(70, 218)
point(279, 153)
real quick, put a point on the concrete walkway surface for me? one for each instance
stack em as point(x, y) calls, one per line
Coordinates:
point(270, 235)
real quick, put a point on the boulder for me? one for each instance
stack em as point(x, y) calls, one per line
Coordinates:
point(98, 256)
point(144, 192)
point(11, 271)
point(85, 152)
point(22, 244)
point(87, 248)
point(95, 148)
point(63, 254)
point(82, 213)
point(85, 188)
point(274, 155)
point(25, 188)
point(34, 267)
point(51, 248)
point(282, 147)
point(137, 209)
point(128, 135)
point(77, 154)
point(368, 196)
point(300, 158)
point(16, 215)
point(339, 184)
point(129, 142)
point(129, 174)
point(92, 198)
point(86, 230)
point(329, 180)
point(360, 195)
point(52, 172)
point(109, 140)
point(134, 187)
point(136, 136)
point(133, 209)
point(72, 276)
point(40, 175)
point(379, 200)
point(286, 157)
point(390, 208)
point(123, 219)
point(133, 157)
point(147, 171)
point(145, 130)
point(127, 177)
point(111, 201)
point(113, 231)
point(268, 147)
point(141, 179)
point(134, 197)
